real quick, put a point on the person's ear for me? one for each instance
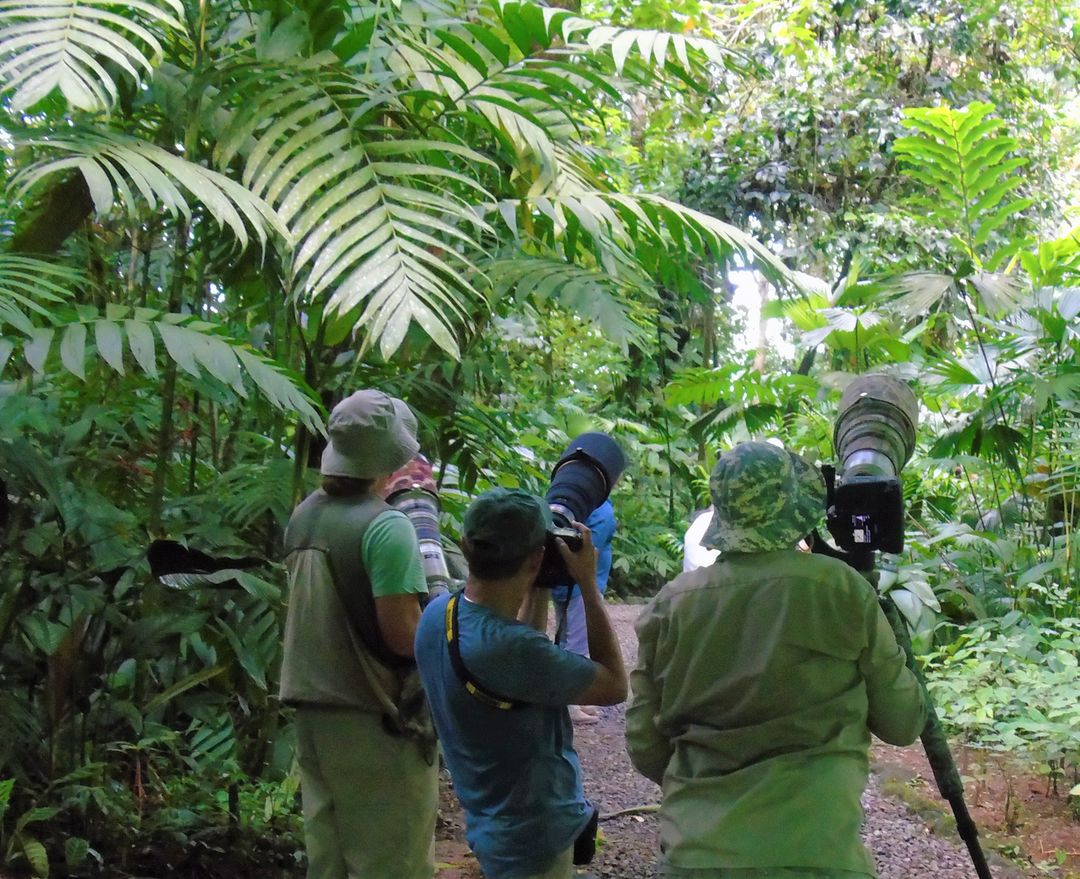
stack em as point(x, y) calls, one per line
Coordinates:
point(532, 563)
point(536, 559)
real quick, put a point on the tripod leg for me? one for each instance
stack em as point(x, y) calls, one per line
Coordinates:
point(937, 750)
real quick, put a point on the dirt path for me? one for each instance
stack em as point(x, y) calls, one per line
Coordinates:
point(903, 845)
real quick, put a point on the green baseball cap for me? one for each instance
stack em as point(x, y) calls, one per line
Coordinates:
point(764, 498)
point(506, 522)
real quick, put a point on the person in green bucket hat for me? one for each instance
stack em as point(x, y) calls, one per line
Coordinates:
point(759, 681)
point(364, 744)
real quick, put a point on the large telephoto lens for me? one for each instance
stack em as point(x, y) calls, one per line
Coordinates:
point(583, 477)
point(582, 480)
point(422, 509)
point(875, 427)
point(874, 438)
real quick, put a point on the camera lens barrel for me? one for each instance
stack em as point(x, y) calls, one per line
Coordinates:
point(581, 481)
point(422, 509)
point(875, 428)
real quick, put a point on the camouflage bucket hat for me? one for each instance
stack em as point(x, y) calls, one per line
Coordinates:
point(764, 499)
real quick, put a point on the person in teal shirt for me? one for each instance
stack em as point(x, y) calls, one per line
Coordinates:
point(759, 681)
point(500, 706)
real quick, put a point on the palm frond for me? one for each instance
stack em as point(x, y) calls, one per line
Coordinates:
point(33, 284)
point(590, 293)
point(531, 24)
point(383, 223)
point(390, 225)
point(921, 291)
point(199, 348)
point(134, 172)
point(999, 292)
point(841, 320)
point(48, 44)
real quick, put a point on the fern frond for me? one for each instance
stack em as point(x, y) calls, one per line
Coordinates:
point(249, 492)
point(964, 162)
point(47, 44)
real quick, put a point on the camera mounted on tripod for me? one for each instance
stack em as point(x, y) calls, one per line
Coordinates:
point(874, 438)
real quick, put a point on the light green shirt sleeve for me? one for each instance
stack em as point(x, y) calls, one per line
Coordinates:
point(649, 750)
point(392, 556)
point(896, 707)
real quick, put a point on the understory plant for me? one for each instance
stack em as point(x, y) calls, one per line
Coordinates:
point(1012, 685)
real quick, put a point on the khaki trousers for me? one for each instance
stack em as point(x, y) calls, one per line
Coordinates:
point(369, 798)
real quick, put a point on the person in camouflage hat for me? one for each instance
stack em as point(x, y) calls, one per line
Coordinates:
point(760, 678)
point(764, 498)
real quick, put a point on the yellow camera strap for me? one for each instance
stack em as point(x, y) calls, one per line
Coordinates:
point(473, 688)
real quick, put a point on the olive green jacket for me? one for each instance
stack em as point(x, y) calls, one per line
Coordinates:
point(759, 681)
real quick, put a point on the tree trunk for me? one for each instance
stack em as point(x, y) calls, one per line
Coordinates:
point(760, 359)
point(168, 390)
point(61, 211)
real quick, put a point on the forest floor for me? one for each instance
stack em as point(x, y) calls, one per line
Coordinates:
point(908, 826)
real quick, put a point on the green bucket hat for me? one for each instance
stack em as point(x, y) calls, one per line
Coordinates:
point(764, 499)
point(506, 522)
point(371, 434)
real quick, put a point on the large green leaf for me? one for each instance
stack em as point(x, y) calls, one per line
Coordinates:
point(30, 287)
point(388, 227)
point(199, 348)
point(116, 168)
point(590, 293)
point(967, 167)
point(385, 226)
point(49, 44)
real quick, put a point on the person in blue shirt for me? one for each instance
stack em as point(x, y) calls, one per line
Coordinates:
point(499, 690)
point(569, 608)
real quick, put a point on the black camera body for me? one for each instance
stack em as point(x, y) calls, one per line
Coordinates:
point(874, 438)
point(553, 569)
point(866, 513)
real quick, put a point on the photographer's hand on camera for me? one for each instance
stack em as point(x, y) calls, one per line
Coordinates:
point(581, 565)
point(609, 687)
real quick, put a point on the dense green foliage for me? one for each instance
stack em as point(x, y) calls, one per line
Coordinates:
point(686, 223)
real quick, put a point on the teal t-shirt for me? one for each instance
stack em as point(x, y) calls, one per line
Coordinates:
point(515, 772)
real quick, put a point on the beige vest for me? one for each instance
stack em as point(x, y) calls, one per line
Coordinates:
point(324, 662)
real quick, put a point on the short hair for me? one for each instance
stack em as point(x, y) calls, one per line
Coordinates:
point(346, 486)
point(487, 563)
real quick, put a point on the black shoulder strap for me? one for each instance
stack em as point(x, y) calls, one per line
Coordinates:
point(474, 689)
point(358, 603)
